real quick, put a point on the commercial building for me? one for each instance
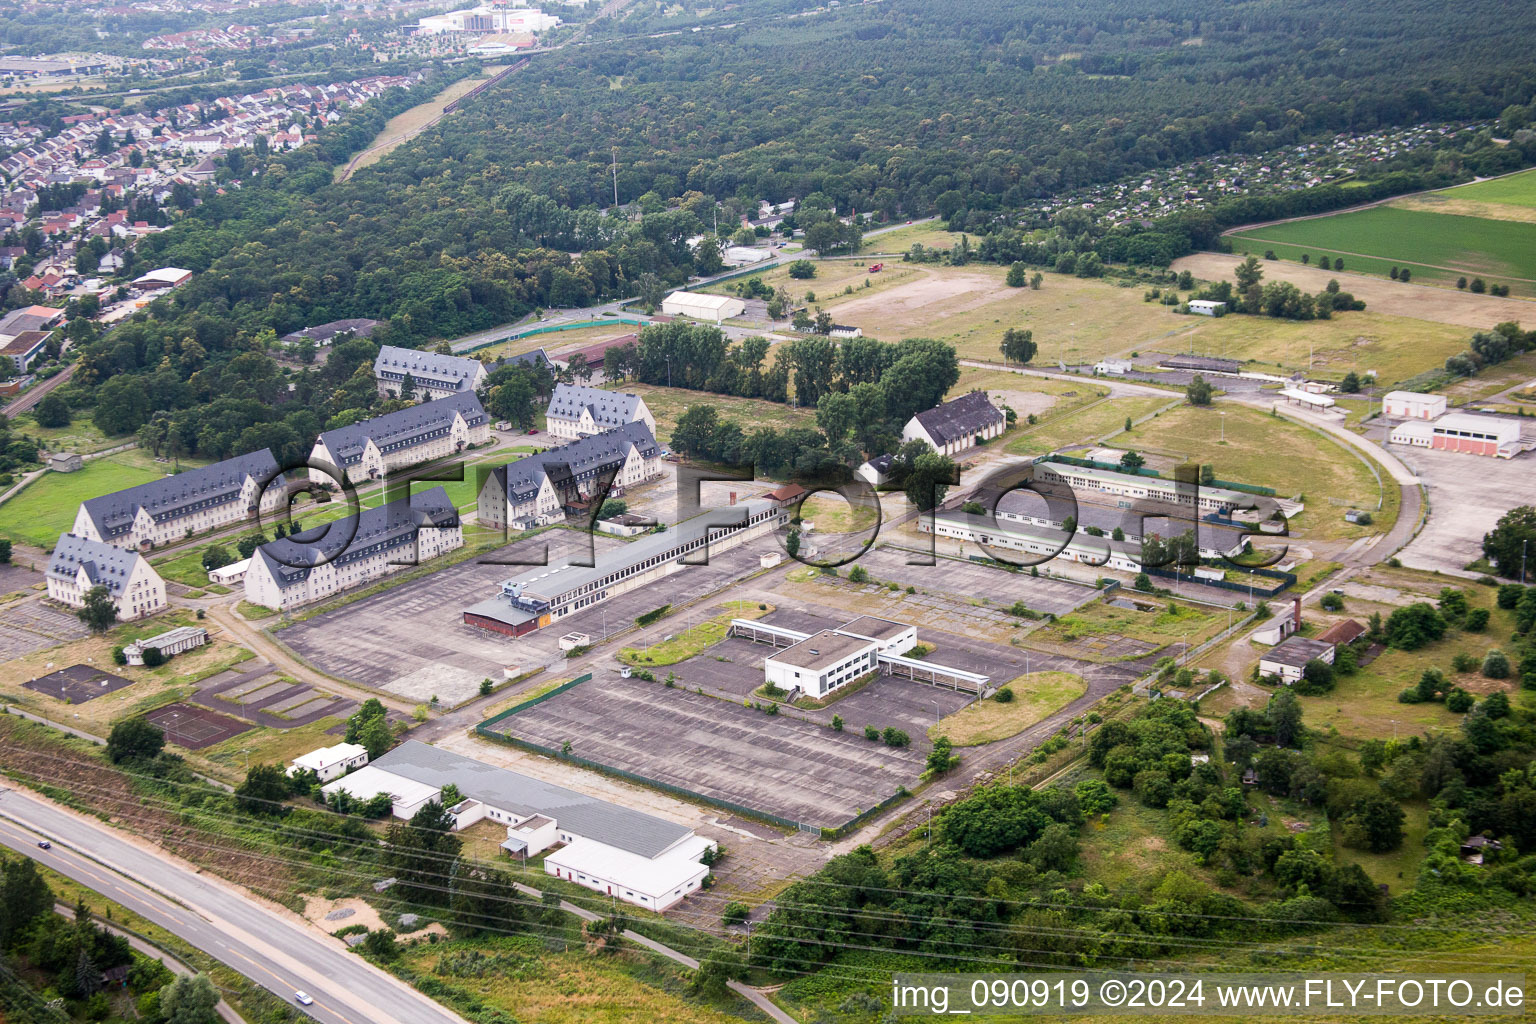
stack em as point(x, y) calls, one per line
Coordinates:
point(182, 638)
point(432, 375)
point(28, 318)
point(192, 501)
point(79, 563)
point(956, 425)
point(1412, 405)
point(545, 594)
point(533, 491)
point(487, 19)
point(714, 308)
point(1476, 435)
point(432, 430)
point(24, 349)
point(579, 411)
point(331, 762)
point(614, 850)
point(319, 563)
point(1288, 658)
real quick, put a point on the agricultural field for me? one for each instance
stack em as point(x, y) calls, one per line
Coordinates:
point(1438, 247)
point(46, 507)
point(1270, 451)
point(1511, 197)
point(1035, 698)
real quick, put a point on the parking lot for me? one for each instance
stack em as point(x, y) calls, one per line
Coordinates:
point(420, 626)
point(971, 579)
point(1467, 495)
point(716, 748)
point(30, 625)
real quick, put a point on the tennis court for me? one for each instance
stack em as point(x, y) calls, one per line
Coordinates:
point(194, 728)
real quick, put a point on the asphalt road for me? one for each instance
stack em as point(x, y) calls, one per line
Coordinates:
point(262, 943)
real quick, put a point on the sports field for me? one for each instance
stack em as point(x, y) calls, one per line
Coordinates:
point(1438, 247)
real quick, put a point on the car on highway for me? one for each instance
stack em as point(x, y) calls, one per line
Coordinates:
point(303, 998)
point(44, 845)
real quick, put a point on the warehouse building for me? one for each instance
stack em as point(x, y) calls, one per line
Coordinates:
point(322, 562)
point(956, 425)
point(79, 563)
point(1412, 405)
point(24, 349)
point(545, 594)
point(614, 850)
point(1476, 435)
point(697, 305)
point(1131, 486)
point(578, 411)
point(1036, 544)
point(372, 448)
point(534, 491)
point(1216, 538)
point(192, 501)
point(432, 375)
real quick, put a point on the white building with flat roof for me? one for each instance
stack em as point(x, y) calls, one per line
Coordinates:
point(1413, 433)
point(1412, 405)
point(699, 306)
point(331, 762)
point(1207, 307)
point(1476, 435)
point(822, 662)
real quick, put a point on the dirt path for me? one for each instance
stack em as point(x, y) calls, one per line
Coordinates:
point(1380, 295)
point(405, 126)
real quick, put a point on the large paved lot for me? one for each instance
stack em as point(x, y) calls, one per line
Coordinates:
point(969, 579)
point(412, 640)
point(717, 748)
point(1467, 495)
point(30, 625)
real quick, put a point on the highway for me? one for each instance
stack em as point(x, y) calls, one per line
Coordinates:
point(264, 943)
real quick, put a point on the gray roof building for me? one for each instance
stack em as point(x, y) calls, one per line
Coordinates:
point(324, 334)
point(429, 369)
point(173, 497)
point(1296, 651)
point(105, 565)
point(373, 531)
point(585, 459)
point(966, 416)
point(635, 831)
point(406, 428)
point(609, 409)
point(538, 357)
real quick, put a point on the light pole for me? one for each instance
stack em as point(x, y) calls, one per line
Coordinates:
point(1524, 544)
point(1223, 416)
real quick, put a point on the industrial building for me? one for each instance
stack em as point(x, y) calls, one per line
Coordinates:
point(545, 594)
point(79, 563)
point(698, 306)
point(815, 664)
point(956, 425)
point(1215, 538)
point(578, 411)
point(24, 349)
point(192, 501)
point(432, 375)
point(372, 448)
point(1413, 433)
point(1412, 405)
point(321, 562)
point(533, 491)
point(1036, 544)
point(169, 644)
point(1476, 435)
point(614, 850)
point(1133, 486)
point(1289, 658)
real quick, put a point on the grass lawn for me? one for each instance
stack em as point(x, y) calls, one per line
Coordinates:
point(1085, 425)
point(1397, 869)
point(1255, 448)
point(575, 987)
point(263, 745)
point(81, 436)
point(46, 508)
point(929, 234)
point(695, 639)
point(833, 278)
point(1172, 621)
point(669, 404)
point(1396, 347)
point(1439, 246)
point(1512, 189)
point(1036, 698)
point(833, 513)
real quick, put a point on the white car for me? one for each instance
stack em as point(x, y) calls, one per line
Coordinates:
point(303, 998)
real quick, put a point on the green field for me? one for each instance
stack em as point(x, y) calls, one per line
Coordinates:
point(1085, 425)
point(1437, 246)
point(1512, 189)
point(46, 508)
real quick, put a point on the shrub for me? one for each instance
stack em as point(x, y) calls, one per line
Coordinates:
point(1509, 595)
point(858, 575)
point(1332, 603)
point(1496, 665)
point(1459, 701)
point(1003, 696)
point(735, 912)
point(894, 737)
point(1477, 620)
point(837, 723)
point(651, 616)
point(118, 657)
point(871, 733)
point(1464, 662)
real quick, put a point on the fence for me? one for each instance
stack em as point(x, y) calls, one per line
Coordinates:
point(555, 328)
point(1285, 579)
point(485, 730)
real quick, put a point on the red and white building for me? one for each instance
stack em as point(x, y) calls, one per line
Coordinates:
point(1476, 435)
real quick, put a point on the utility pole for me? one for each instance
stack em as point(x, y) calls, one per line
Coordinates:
point(1524, 544)
point(615, 154)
